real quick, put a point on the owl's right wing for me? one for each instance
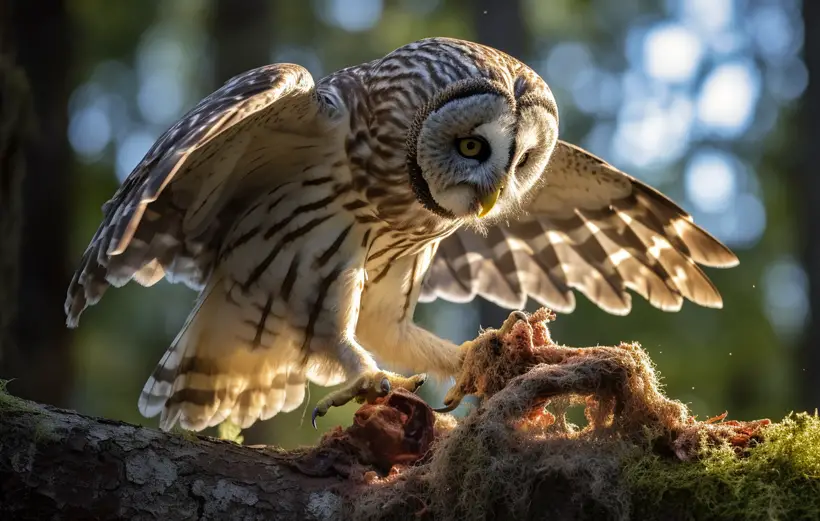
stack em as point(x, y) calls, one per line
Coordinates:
point(591, 228)
point(162, 220)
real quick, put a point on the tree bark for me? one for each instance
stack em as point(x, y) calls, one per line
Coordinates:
point(57, 464)
point(41, 43)
point(806, 189)
point(400, 461)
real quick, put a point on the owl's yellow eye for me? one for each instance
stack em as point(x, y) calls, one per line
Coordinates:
point(473, 148)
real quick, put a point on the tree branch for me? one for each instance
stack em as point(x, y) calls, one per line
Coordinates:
point(515, 457)
point(60, 464)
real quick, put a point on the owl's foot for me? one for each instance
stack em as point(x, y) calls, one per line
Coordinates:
point(456, 393)
point(367, 387)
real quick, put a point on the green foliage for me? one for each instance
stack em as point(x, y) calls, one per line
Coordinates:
point(776, 479)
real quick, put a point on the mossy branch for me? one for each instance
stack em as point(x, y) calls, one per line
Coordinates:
point(514, 457)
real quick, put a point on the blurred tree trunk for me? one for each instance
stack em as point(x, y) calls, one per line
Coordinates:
point(41, 45)
point(806, 190)
point(15, 133)
point(243, 34)
point(499, 24)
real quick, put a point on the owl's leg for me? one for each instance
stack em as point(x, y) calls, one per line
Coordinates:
point(367, 381)
point(369, 385)
point(410, 346)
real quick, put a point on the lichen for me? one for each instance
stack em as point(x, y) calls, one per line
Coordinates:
point(324, 506)
point(150, 469)
point(223, 497)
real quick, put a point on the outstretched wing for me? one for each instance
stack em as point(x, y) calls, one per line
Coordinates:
point(591, 228)
point(163, 217)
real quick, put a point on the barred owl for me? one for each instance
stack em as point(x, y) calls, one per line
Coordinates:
point(312, 217)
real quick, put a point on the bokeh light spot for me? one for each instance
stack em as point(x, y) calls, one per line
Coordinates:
point(728, 98)
point(710, 181)
point(671, 52)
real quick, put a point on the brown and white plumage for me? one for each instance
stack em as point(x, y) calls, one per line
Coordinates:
point(312, 218)
point(591, 228)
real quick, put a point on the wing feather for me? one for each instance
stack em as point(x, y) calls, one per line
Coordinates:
point(162, 219)
point(591, 228)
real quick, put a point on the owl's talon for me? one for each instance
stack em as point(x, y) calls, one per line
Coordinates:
point(512, 319)
point(367, 387)
point(313, 417)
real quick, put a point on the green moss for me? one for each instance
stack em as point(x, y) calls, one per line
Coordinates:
point(185, 434)
point(776, 479)
point(231, 432)
point(42, 430)
point(10, 402)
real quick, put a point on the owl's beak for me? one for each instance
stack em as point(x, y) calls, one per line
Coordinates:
point(487, 201)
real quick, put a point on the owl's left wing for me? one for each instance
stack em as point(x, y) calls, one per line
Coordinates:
point(161, 220)
point(589, 227)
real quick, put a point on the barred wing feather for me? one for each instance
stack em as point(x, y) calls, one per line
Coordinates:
point(158, 221)
point(589, 228)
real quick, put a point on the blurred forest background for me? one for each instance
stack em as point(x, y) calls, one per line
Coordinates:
point(707, 100)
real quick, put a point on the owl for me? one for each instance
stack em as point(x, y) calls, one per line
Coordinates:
point(312, 217)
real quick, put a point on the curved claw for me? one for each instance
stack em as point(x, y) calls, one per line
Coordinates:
point(449, 406)
point(512, 319)
point(313, 417)
point(385, 386)
point(422, 378)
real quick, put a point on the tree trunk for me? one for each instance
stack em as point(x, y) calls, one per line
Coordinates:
point(42, 367)
point(15, 132)
point(806, 190)
point(500, 24)
point(243, 34)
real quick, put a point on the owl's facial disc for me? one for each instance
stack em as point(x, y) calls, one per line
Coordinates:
point(461, 149)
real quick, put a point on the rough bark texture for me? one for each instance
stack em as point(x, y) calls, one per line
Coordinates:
point(57, 464)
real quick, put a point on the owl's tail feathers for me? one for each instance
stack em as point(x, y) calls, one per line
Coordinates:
point(221, 367)
point(157, 249)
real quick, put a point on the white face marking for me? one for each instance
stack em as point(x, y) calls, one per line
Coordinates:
point(456, 181)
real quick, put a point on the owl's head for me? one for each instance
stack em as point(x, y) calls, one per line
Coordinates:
point(477, 148)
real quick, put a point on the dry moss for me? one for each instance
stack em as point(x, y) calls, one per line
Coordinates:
point(641, 456)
